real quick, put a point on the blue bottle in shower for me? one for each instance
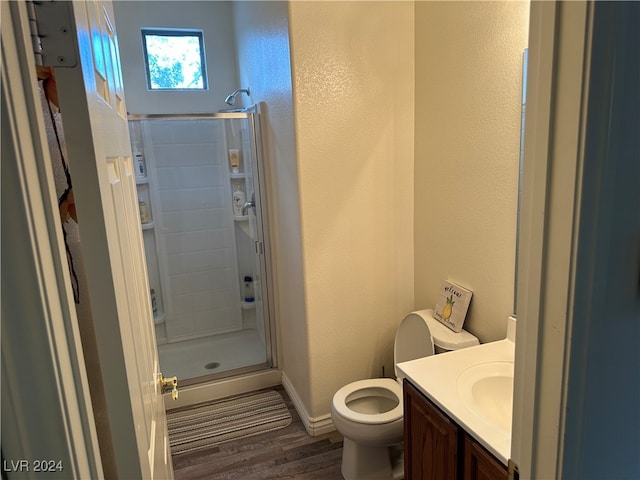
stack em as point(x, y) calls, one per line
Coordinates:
point(247, 292)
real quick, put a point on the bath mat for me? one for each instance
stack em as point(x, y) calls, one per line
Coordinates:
point(212, 423)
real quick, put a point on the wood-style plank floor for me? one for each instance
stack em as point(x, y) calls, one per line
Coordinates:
point(288, 453)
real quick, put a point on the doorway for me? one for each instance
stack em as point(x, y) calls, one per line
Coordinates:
point(201, 195)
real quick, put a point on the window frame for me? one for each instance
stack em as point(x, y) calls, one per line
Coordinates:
point(174, 32)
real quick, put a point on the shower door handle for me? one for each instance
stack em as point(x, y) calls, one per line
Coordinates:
point(249, 204)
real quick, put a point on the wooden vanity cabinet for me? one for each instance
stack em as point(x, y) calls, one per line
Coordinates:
point(437, 448)
point(479, 464)
point(431, 439)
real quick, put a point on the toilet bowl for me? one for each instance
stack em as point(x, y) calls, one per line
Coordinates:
point(369, 413)
point(375, 403)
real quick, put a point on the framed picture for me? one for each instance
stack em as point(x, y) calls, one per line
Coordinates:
point(452, 306)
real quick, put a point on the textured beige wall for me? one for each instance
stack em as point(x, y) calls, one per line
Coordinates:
point(353, 74)
point(262, 40)
point(468, 81)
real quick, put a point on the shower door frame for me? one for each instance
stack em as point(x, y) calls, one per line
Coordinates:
point(262, 245)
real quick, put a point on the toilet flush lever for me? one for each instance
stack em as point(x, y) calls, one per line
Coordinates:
point(169, 384)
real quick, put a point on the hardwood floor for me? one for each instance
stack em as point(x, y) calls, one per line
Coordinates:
point(288, 453)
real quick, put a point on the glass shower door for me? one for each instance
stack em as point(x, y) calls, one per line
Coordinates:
point(202, 209)
point(256, 284)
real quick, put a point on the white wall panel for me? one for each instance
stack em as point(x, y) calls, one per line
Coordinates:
point(195, 227)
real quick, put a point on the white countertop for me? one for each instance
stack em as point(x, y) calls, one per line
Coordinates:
point(437, 377)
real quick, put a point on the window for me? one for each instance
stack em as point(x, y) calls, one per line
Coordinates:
point(174, 59)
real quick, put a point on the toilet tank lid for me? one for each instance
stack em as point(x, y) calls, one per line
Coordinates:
point(446, 338)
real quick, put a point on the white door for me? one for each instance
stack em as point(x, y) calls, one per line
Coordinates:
point(99, 156)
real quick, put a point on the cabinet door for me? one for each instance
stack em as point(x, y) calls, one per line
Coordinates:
point(480, 464)
point(430, 439)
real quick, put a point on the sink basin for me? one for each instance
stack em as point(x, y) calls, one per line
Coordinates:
point(487, 390)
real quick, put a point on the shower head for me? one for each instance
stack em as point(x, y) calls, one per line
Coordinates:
point(231, 98)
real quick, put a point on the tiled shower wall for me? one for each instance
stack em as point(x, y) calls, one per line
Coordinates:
point(191, 195)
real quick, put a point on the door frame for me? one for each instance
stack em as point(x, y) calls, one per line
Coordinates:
point(44, 379)
point(557, 93)
point(57, 375)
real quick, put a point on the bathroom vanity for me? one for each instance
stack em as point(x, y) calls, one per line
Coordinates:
point(436, 447)
point(457, 412)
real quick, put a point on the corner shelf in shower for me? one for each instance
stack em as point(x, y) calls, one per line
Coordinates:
point(147, 226)
point(247, 305)
point(241, 218)
point(238, 176)
point(142, 180)
point(158, 319)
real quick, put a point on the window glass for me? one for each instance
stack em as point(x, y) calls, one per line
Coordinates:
point(174, 60)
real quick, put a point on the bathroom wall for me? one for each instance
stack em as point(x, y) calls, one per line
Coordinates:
point(353, 77)
point(262, 39)
point(468, 80)
point(213, 18)
point(341, 191)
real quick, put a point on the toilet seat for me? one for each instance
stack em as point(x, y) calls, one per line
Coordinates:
point(373, 387)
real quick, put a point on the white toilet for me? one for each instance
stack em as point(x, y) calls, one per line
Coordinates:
point(369, 413)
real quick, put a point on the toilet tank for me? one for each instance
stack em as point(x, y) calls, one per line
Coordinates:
point(420, 335)
point(445, 339)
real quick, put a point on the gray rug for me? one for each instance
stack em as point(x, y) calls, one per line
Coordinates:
point(212, 423)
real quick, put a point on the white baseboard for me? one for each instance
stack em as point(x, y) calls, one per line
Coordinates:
point(224, 388)
point(313, 425)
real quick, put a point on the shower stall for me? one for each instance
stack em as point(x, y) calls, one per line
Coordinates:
point(201, 194)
